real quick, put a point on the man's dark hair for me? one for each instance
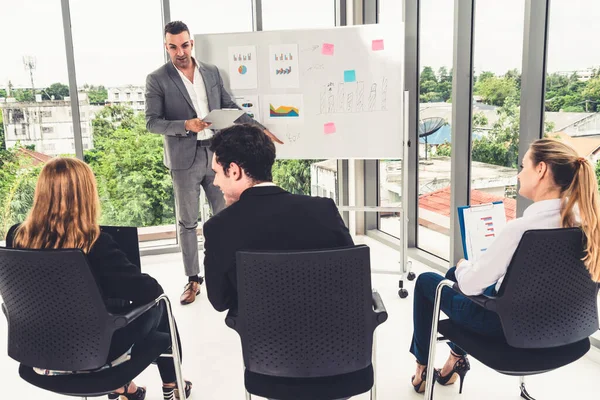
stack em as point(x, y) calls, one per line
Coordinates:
point(247, 146)
point(176, 27)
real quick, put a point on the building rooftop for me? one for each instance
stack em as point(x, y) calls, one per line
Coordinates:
point(37, 157)
point(585, 146)
point(439, 202)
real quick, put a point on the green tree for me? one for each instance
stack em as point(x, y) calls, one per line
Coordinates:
point(2, 92)
point(22, 95)
point(56, 91)
point(18, 177)
point(591, 94)
point(97, 94)
point(135, 187)
point(293, 175)
point(495, 90)
point(484, 76)
point(598, 172)
point(2, 137)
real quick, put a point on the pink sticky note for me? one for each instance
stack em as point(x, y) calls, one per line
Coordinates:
point(327, 49)
point(329, 128)
point(377, 45)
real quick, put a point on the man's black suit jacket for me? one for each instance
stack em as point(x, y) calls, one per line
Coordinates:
point(265, 218)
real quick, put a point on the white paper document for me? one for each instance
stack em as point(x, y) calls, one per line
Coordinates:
point(480, 225)
point(221, 119)
point(250, 106)
point(243, 67)
point(283, 63)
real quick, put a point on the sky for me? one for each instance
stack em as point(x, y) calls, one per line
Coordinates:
point(118, 42)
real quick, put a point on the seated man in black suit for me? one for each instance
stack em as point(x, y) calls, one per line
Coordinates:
point(259, 215)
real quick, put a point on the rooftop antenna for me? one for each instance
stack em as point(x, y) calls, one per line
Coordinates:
point(29, 64)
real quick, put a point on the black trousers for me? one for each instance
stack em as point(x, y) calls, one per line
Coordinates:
point(153, 320)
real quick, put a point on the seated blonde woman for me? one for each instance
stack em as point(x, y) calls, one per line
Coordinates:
point(65, 215)
point(564, 191)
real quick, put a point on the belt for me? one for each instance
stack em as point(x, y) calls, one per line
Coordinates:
point(204, 143)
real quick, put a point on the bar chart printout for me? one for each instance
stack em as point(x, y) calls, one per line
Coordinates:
point(480, 225)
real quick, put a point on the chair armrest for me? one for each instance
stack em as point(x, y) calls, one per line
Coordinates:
point(487, 302)
point(122, 320)
point(381, 314)
point(231, 319)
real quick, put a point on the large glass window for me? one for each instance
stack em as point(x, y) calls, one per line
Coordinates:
point(435, 111)
point(311, 14)
point(35, 124)
point(496, 103)
point(135, 187)
point(572, 107)
point(209, 16)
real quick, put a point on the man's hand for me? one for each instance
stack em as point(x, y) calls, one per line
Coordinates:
point(196, 125)
point(460, 261)
point(273, 137)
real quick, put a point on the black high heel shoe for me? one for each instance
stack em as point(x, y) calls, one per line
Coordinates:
point(420, 387)
point(139, 394)
point(459, 370)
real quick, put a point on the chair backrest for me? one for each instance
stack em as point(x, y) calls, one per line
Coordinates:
point(128, 241)
point(548, 298)
point(305, 314)
point(56, 317)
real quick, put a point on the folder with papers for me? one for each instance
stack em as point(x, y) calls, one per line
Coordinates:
point(479, 226)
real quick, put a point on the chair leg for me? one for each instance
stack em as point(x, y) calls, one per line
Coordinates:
point(374, 363)
point(524, 393)
point(248, 395)
point(429, 384)
point(175, 348)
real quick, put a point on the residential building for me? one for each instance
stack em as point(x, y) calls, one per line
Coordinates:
point(47, 124)
point(131, 95)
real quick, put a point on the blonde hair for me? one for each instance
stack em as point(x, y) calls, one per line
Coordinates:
point(576, 178)
point(65, 208)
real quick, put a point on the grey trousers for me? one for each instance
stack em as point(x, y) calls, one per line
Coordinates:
point(186, 185)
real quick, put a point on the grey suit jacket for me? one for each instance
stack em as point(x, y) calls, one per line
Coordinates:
point(168, 106)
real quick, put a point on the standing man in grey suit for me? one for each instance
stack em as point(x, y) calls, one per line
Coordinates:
point(178, 96)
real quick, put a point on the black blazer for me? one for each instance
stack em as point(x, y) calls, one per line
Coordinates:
point(116, 277)
point(265, 218)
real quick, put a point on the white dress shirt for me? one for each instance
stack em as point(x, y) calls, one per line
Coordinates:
point(474, 277)
point(197, 92)
point(264, 184)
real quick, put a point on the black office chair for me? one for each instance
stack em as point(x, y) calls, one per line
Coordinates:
point(306, 321)
point(128, 241)
point(547, 304)
point(62, 324)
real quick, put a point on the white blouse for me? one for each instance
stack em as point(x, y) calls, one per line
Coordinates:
point(474, 277)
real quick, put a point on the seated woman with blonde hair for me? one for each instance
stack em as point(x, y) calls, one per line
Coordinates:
point(65, 215)
point(564, 191)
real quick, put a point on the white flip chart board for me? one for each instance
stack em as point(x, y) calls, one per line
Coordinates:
point(326, 93)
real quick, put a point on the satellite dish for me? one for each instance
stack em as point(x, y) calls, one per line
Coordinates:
point(429, 126)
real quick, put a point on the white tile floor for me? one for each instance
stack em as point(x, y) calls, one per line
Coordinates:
point(212, 354)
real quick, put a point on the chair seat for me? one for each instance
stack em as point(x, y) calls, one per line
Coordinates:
point(325, 388)
point(108, 380)
point(497, 354)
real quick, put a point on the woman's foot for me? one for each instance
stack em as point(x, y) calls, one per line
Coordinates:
point(129, 392)
point(450, 362)
point(418, 379)
point(456, 367)
point(170, 391)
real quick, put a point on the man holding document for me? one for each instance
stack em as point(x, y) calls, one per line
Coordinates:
point(179, 96)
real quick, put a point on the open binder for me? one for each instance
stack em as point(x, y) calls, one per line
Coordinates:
point(479, 226)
